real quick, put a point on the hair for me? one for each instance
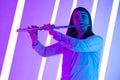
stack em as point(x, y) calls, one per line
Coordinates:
point(73, 32)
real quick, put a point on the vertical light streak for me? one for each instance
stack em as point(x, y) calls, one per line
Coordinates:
point(12, 41)
point(108, 39)
point(60, 64)
point(43, 61)
point(73, 6)
point(59, 68)
point(94, 7)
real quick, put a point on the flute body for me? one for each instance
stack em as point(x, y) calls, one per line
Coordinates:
point(53, 27)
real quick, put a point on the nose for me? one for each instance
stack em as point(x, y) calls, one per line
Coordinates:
point(81, 19)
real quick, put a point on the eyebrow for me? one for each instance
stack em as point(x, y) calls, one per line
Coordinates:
point(83, 13)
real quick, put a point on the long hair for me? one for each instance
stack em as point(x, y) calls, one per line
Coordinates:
point(73, 32)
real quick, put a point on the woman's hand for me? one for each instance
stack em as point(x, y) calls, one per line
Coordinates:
point(49, 27)
point(33, 34)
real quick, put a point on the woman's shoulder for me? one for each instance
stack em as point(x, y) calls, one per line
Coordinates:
point(96, 36)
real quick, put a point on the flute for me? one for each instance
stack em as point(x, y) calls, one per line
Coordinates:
point(53, 27)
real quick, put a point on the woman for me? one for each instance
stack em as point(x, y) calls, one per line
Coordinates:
point(80, 47)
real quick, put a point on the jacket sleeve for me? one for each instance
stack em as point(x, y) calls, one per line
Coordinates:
point(90, 44)
point(47, 51)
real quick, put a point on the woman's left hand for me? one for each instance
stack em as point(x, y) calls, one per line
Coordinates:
point(49, 27)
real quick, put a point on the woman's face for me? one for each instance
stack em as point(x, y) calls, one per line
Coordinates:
point(81, 17)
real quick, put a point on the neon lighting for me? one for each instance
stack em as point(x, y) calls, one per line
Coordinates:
point(59, 68)
point(12, 41)
point(43, 61)
point(108, 40)
point(73, 5)
point(60, 64)
point(95, 2)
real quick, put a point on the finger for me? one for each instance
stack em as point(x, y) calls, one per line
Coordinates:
point(34, 26)
point(29, 27)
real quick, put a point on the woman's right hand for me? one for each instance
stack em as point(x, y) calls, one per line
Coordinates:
point(33, 35)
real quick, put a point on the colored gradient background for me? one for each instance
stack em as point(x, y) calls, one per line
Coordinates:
point(26, 62)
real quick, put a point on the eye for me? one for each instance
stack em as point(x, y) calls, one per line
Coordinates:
point(83, 16)
point(76, 16)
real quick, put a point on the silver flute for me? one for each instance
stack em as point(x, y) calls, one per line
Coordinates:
point(53, 27)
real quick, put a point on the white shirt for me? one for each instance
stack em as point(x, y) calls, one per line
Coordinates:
point(80, 57)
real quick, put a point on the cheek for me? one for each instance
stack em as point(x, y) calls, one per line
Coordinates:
point(87, 21)
point(74, 21)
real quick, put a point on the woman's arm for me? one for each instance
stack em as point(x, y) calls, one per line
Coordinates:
point(90, 44)
point(47, 51)
point(42, 50)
